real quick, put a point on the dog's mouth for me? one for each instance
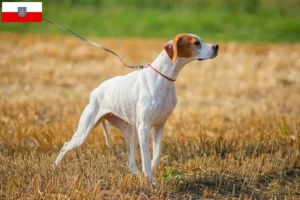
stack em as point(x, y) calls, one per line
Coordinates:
point(213, 56)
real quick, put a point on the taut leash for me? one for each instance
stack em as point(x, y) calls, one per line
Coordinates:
point(95, 44)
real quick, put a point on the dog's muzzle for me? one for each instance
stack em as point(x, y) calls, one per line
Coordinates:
point(215, 49)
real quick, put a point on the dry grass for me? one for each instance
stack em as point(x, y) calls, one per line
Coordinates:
point(235, 131)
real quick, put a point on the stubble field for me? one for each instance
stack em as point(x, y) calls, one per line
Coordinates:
point(234, 133)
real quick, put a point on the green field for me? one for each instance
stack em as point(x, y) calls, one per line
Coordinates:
point(229, 20)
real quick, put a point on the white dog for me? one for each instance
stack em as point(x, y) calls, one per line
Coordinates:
point(141, 100)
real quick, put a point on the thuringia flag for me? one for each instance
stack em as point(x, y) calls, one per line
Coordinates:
point(21, 11)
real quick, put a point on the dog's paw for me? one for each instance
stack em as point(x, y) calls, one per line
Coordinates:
point(135, 171)
point(152, 181)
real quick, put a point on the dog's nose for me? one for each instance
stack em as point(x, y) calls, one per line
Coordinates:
point(215, 47)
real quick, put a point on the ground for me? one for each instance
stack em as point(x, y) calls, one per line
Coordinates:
point(235, 131)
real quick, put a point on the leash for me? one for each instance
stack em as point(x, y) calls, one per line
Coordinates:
point(93, 43)
point(97, 45)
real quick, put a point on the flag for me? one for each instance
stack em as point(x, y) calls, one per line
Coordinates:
point(21, 11)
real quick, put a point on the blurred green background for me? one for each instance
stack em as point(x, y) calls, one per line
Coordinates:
point(219, 20)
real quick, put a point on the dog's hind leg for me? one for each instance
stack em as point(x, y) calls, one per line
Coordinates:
point(130, 135)
point(86, 125)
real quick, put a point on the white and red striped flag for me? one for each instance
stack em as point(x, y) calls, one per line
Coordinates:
point(21, 11)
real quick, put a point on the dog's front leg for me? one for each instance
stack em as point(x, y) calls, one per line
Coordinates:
point(158, 134)
point(144, 134)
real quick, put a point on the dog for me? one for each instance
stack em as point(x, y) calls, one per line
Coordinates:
point(141, 100)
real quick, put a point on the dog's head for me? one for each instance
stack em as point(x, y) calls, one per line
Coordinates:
point(190, 47)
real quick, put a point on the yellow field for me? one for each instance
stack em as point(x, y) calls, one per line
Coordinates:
point(235, 131)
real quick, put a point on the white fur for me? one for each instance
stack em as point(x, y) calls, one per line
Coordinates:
point(135, 103)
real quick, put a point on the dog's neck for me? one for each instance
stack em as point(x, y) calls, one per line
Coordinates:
point(164, 64)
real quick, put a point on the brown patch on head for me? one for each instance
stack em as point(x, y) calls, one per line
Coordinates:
point(184, 46)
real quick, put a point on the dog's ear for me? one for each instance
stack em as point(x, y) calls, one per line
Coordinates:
point(178, 42)
point(169, 49)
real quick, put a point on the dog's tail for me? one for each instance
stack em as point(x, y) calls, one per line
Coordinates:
point(104, 128)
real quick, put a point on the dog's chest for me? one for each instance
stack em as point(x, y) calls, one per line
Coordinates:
point(163, 105)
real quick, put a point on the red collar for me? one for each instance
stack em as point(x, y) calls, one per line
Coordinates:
point(160, 73)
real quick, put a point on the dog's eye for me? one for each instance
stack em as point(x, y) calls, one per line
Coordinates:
point(197, 43)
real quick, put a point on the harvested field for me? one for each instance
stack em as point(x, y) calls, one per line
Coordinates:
point(235, 131)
